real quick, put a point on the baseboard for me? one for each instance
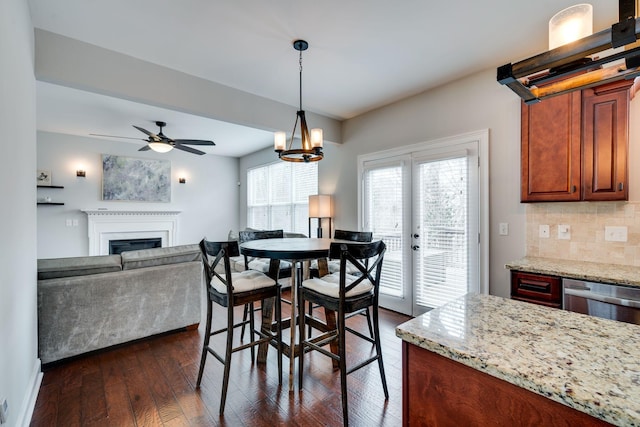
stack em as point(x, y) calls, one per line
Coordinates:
point(29, 402)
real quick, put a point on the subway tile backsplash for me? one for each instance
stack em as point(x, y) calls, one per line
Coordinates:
point(587, 221)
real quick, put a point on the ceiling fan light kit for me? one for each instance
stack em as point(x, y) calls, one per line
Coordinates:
point(162, 143)
point(160, 147)
point(311, 150)
point(569, 67)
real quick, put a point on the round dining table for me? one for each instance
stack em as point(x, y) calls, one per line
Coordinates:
point(298, 251)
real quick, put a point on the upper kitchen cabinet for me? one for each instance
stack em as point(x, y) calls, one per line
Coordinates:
point(605, 142)
point(574, 146)
point(550, 151)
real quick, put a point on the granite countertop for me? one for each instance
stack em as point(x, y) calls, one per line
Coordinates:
point(587, 363)
point(581, 270)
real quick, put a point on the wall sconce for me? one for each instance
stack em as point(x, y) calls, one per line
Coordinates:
point(81, 173)
point(320, 207)
point(182, 180)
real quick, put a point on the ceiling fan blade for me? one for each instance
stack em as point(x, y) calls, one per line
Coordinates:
point(114, 136)
point(145, 148)
point(188, 149)
point(151, 134)
point(194, 142)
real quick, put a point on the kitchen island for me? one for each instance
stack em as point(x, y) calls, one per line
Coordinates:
point(485, 359)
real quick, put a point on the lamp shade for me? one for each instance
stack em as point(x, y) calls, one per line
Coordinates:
point(320, 206)
point(570, 24)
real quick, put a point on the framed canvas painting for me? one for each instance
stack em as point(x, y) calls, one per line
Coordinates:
point(135, 180)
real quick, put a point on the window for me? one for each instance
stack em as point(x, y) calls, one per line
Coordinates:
point(278, 196)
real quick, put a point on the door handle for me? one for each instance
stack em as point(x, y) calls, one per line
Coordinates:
point(415, 247)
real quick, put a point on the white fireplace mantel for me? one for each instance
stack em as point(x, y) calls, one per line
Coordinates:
point(106, 225)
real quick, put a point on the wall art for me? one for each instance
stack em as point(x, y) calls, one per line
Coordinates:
point(135, 180)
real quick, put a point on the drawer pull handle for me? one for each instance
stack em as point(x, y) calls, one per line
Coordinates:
point(535, 287)
point(573, 188)
point(621, 186)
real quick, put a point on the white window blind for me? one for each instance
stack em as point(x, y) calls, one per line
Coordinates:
point(278, 196)
point(384, 213)
point(443, 267)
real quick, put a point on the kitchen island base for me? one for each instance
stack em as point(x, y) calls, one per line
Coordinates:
point(437, 391)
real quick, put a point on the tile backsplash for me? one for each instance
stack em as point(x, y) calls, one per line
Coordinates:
point(586, 232)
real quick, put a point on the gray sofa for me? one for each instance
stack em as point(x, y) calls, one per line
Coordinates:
point(93, 302)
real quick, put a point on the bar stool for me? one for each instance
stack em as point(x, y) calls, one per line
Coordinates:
point(345, 294)
point(232, 290)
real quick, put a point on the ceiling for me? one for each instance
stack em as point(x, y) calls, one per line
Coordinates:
point(362, 54)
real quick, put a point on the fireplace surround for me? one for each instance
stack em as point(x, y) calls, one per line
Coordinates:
point(107, 225)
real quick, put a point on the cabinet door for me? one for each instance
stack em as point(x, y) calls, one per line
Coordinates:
point(550, 169)
point(605, 142)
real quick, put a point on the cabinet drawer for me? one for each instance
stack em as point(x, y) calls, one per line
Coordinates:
point(536, 288)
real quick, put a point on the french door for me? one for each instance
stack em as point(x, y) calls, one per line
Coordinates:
point(425, 204)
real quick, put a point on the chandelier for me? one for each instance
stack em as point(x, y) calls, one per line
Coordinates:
point(311, 150)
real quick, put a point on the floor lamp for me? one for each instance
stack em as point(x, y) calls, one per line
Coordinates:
point(320, 208)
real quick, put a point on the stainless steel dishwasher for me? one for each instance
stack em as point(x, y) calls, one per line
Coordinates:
point(616, 302)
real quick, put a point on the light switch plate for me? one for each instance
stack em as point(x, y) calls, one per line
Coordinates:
point(564, 232)
point(504, 228)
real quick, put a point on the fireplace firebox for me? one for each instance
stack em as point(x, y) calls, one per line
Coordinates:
point(118, 246)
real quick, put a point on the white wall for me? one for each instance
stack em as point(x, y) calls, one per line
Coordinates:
point(19, 366)
point(474, 103)
point(208, 201)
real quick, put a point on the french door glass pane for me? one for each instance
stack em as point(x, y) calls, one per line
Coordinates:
point(442, 269)
point(384, 214)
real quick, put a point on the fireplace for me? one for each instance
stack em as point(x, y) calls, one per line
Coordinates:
point(123, 245)
point(106, 226)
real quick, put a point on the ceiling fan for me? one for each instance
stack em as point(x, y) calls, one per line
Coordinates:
point(161, 143)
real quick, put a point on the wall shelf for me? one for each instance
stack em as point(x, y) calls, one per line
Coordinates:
point(50, 186)
point(51, 203)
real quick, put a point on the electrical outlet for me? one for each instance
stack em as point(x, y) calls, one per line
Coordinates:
point(615, 234)
point(68, 222)
point(504, 228)
point(543, 231)
point(4, 411)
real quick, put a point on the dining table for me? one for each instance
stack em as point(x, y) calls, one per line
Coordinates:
point(299, 252)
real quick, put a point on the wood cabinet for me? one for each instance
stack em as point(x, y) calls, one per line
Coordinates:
point(437, 391)
point(574, 146)
point(536, 288)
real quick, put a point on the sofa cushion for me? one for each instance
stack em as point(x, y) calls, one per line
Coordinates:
point(160, 256)
point(291, 235)
point(53, 268)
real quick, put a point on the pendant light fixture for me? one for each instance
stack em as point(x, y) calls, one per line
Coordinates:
point(569, 67)
point(311, 150)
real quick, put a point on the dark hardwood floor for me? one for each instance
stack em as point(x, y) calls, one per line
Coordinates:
point(152, 383)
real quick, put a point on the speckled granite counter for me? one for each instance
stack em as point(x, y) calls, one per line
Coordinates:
point(584, 362)
point(591, 271)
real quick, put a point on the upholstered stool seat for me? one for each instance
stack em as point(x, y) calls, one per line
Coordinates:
point(330, 285)
point(248, 280)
